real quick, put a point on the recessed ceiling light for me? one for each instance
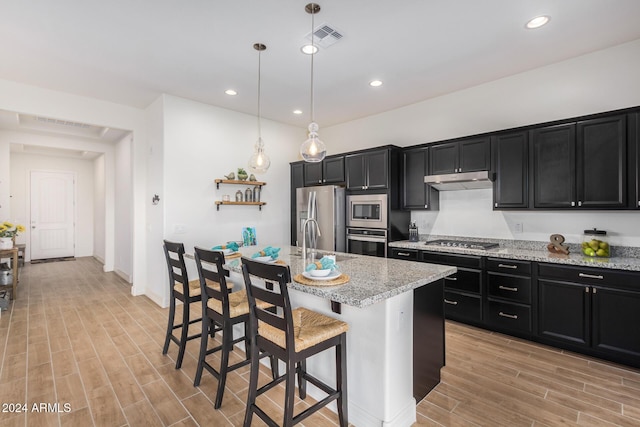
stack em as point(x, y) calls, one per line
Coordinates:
point(309, 49)
point(375, 83)
point(231, 92)
point(537, 22)
point(297, 112)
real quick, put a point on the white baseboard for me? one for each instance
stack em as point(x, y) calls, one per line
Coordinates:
point(123, 275)
point(100, 259)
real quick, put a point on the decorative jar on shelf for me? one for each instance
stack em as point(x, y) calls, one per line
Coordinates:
point(248, 195)
point(238, 196)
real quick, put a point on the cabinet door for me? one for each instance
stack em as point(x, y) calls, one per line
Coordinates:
point(377, 169)
point(553, 154)
point(563, 312)
point(615, 320)
point(511, 165)
point(634, 160)
point(333, 170)
point(355, 171)
point(312, 174)
point(415, 191)
point(443, 158)
point(297, 181)
point(475, 155)
point(601, 150)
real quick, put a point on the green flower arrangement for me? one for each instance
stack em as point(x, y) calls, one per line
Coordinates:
point(8, 229)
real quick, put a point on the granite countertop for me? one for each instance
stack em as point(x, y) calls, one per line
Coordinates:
point(530, 254)
point(371, 279)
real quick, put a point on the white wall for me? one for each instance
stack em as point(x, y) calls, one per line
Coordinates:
point(21, 167)
point(123, 203)
point(597, 82)
point(202, 143)
point(5, 174)
point(99, 209)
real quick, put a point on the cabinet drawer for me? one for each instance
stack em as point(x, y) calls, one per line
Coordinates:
point(469, 261)
point(509, 266)
point(515, 317)
point(464, 279)
point(458, 306)
point(513, 288)
point(400, 253)
point(591, 276)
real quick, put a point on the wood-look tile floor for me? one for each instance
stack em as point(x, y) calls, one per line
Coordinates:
point(76, 336)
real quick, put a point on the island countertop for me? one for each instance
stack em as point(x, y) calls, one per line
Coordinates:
point(371, 279)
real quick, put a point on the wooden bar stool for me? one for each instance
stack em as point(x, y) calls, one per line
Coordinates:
point(180, 288)
point(221, 310)
point(292, 336)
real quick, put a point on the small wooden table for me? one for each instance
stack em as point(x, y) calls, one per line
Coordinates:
point(13, 254)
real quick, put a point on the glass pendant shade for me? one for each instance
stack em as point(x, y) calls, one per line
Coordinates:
point(259, 161)
point(313, 149)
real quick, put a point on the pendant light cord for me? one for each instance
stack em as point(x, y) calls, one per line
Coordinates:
point(259, 87)
point(313, 52)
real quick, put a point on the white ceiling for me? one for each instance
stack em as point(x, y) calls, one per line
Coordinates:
point(130, 52)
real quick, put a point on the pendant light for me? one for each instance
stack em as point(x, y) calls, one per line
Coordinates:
point(259, 161)
point(313, 149)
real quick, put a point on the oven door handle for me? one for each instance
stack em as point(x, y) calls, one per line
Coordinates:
point(368, 239)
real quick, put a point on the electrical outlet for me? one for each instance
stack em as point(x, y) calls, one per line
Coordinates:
point(179, 228)
point(518, 228)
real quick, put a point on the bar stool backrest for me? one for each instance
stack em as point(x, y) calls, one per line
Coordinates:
point(174, 253)
point(282, 319)
point(213, 282)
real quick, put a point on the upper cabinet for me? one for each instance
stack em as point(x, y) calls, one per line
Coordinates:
point(634, 160)
point(510, 162)
point(329, 171)
point(468, 155)
point(417, 194)
point(368, 170)
point(581, 164)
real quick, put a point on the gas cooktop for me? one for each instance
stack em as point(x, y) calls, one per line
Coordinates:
point(464, 244)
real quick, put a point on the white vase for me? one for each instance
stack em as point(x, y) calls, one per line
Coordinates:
point(6, 243)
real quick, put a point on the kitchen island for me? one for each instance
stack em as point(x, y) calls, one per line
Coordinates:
point(378, 304)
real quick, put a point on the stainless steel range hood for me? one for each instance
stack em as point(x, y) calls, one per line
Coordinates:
point(460, 181)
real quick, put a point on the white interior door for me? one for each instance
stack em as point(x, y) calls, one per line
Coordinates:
point(52, 214)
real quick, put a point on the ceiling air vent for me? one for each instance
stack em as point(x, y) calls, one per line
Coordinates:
point(325, 35)
point(62, 122)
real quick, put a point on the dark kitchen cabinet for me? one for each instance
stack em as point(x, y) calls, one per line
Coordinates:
point(297, 181)
point(462, 290)
point(509, 296)
point(328, 171)
point(601, 169)
point(553, 166)
point(634, 160)
point(417, 194)
point(367, 171)
point(581, 164)
point(595, 311)
point(468, 155)
point(511, 166)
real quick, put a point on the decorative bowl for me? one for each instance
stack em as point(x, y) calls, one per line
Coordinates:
point(320, 273)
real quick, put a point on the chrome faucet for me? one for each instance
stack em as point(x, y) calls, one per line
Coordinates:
point(304, 237)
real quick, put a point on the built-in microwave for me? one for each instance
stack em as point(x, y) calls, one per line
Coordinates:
point(367, 210)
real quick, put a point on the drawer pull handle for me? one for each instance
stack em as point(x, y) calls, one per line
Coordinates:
point(507, 266)
point(510, 316)
point(591, 276)
point(507, 288)
point(450, 302)
point(453, 279)
point(404, 253)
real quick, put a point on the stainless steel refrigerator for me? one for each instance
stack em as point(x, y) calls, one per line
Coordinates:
point(326, 204)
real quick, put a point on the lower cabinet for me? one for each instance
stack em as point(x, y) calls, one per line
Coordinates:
point(509, 296)
point(595, 311)
point(462, 290)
